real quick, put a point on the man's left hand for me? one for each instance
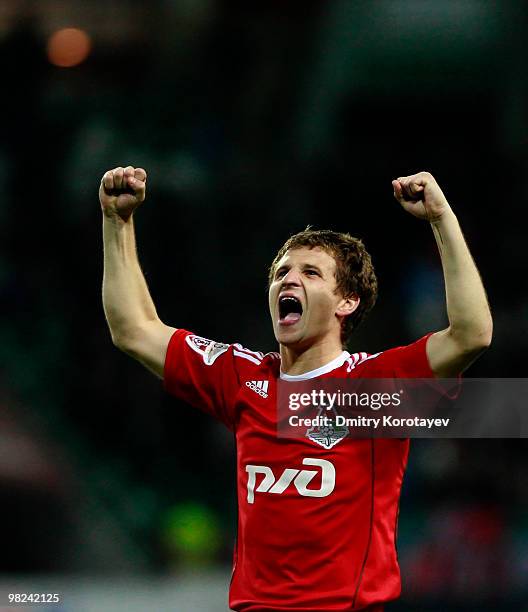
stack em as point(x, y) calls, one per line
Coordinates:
point(420, 195)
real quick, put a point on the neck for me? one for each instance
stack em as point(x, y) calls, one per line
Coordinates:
point(296, 361)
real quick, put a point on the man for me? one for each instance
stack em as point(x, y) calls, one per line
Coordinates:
point(316, 525)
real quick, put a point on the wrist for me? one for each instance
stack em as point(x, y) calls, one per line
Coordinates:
point(114, 218)
point(448, 216)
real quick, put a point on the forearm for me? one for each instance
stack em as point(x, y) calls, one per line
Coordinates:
point(126, 298)
point(470, 321)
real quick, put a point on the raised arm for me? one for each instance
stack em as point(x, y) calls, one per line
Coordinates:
point(451, 350)
point(130, 312)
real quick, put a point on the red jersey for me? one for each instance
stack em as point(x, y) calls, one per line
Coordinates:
point(316, 525)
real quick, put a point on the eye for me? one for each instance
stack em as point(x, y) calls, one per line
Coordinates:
point(280, 273)
point(311, 272)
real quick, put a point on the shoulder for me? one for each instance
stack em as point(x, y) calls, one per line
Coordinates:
point(357, 359)
point(214, 352)
point(408, 360)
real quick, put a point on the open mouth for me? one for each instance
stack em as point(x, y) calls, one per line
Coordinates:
point(290, 310)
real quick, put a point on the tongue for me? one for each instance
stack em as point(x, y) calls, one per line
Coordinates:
point(292, 318)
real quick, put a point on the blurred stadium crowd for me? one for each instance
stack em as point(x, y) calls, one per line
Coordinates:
point(253, 120)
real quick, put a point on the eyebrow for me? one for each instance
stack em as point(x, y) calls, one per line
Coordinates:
point(305, 266)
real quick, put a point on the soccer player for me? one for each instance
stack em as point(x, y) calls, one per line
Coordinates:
point(316, 525)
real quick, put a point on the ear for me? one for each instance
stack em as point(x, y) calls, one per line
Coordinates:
point(347, 306)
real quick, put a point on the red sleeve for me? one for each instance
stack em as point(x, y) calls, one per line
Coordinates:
point(202, 373)
point(411, 361)
point(403, 362)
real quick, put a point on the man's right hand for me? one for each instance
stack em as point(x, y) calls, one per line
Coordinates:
point(122, 190)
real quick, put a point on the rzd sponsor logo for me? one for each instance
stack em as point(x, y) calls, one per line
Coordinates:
point(300, 479)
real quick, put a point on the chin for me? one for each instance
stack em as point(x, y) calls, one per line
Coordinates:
point(287, 338)
point(296, 341)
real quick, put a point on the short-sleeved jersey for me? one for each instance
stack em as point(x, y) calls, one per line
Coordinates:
point(316, 526)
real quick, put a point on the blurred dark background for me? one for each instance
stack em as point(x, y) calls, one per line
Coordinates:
point(252, 120)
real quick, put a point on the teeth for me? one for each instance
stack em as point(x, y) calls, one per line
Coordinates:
point(289, 304)
point(288, 297)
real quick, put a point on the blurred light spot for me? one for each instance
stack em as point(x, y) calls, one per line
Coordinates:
point(185, 173)
point(191, 533)
point(438, 459)
point(68, 47)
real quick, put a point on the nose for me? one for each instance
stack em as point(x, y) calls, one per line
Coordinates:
point(291, 279)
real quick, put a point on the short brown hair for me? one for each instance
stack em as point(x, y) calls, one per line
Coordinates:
point(354, 270)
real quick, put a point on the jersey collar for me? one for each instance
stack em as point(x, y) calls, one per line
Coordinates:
point(335, 363)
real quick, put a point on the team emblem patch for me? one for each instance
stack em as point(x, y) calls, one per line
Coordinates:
point(327, 436)
point(208, 349)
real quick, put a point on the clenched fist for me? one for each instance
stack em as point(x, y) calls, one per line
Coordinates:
point(122, 190)
point(420, 195)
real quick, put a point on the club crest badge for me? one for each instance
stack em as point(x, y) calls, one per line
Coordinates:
point(208, 349)
point(328, 435)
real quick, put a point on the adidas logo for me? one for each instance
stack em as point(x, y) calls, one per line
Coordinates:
point(259, 386)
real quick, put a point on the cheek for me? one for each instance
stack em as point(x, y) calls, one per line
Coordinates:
point(323, 306)
point(272, 296)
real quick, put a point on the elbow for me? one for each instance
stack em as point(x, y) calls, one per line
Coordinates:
point(481, 341)
point(119, 341)
point(476, 340)
point(488, 337)
point(122, 340)
point(485, 335)
point(133, 339)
